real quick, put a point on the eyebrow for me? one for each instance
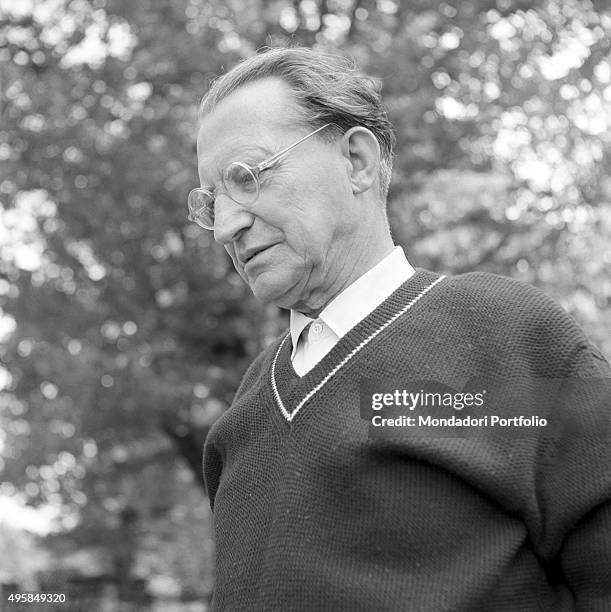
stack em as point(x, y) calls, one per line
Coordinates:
point(250, 149)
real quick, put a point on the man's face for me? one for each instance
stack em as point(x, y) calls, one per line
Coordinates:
point(293, 246)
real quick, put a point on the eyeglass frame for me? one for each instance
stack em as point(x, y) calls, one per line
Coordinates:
point(255, 171)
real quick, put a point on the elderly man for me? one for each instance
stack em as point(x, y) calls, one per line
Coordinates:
point(315, 506)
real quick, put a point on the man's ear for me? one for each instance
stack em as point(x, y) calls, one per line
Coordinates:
point(362, 150)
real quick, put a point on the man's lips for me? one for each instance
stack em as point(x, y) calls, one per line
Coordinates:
point(249, 254)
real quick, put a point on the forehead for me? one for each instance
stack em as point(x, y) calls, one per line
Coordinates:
point(254, 115)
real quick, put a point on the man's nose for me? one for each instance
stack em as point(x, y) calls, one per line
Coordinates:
point(230, 218)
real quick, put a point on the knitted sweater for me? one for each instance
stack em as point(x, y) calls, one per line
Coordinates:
point(313, 510)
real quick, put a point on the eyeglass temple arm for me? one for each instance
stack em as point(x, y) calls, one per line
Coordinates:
point(272, 160)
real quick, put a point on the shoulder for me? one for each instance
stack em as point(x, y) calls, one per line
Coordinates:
point(502, 291)
point(518, 318)
point(259, 367)
point(507, 299)
point(254, 380)
point(232, 425)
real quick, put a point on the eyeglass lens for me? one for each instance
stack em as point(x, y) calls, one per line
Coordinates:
point(201, 207)
point(240, 183)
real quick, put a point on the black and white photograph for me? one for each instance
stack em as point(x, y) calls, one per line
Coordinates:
point(305, 306)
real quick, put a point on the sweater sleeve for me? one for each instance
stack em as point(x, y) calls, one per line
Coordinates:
point(572, 480)
point(576, 482)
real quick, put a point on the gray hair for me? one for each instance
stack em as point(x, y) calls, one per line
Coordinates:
point(328, 88)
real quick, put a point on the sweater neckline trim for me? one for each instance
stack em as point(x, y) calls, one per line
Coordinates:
point(390, 315)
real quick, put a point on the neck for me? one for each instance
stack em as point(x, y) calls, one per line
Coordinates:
point(359, 260)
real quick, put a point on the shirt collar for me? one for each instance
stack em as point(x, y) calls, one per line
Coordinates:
point(298, 322)
point(360, 298)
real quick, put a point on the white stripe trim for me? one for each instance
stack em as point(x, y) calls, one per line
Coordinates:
point(284, 411)
point(290, 416)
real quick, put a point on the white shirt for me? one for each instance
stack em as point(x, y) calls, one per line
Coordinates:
point(347, 309)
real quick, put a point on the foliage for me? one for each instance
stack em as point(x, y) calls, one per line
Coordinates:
point(131, 327)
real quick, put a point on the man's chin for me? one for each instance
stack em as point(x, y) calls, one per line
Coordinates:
point(278, 293)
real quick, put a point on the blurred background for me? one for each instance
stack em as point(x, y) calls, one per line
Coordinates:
point(124, 330)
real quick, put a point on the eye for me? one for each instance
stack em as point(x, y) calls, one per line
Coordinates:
point(240, 182)
point(239, 175)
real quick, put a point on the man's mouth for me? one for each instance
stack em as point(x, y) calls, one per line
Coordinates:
point(252, 253)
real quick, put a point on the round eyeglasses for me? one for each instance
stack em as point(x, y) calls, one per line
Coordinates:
point(240, 182)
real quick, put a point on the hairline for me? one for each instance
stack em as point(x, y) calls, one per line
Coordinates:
point(224, 85)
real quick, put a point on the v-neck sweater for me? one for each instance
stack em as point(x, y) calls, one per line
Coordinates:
point(313, 512)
